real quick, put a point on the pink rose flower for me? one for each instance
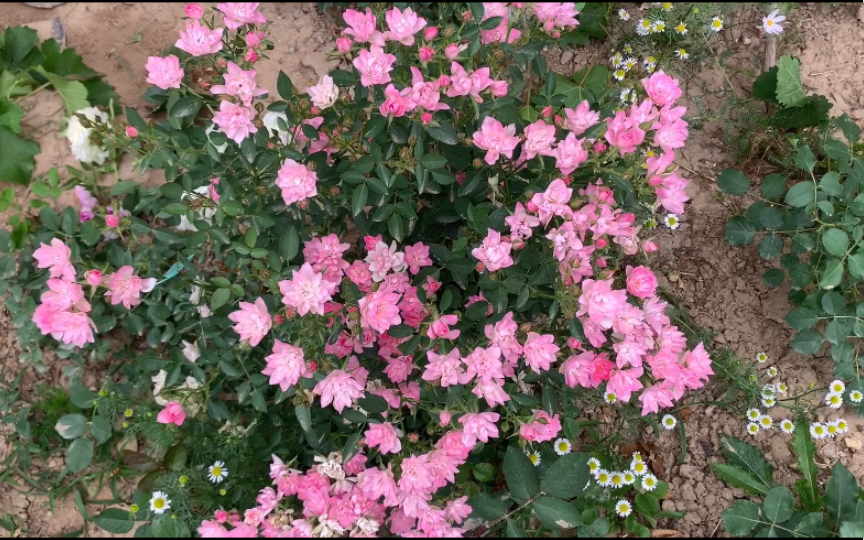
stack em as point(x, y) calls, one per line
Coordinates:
point(661, 88)
point(601, 303)
point(164, 72)
point(296, 181)
point(339, 388)
point(402, 25)
point(112, 221)
point(654, 398)
point(383, 260)
point(362, 27)
point(430, 33)
point(499, 33)
point(543, 428)
point(425, 53)
point(540, 351)
point(239, 13)
point(343, 45)
point(194, 11)
point(235, 121)
point(569, 154)
point(479, 427)
point(446, 368)
point(452, 51)
point(623, 382)
point(396, 104)
point(385, 437)
point(379, 310)
point(440, 328)
point(444, 418)
point(198, 40)
point(416, 257)
point(325, 94)
point(93, 277)
point(494, 252)
point(623, 133)
point(641, 281)
point(62, 295)
point(496, 139)
point(286, 365)
point(252, 321)
point(554, 201)
point(307, 291)
point(126, 288)
point(499, 89)
point(671, 136)
point(131, 132)
point(56, 259)
point(539, 138)
point(552, 15)
point(374, 65)
point(172, 414)
point(581, 118)
point(241, 84)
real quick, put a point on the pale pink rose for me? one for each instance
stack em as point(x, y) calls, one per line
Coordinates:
point(499, 33)
point(194, 11)
point(416, 257)
point(480, 81)
point(73, 328)
point(539, 138)
point(359, 274)
point(423, 94)
point(241, 84)
point(569, 154)
point(56, 259)
point(581, 118)
point(623, 382)
point(239, 13)
point(385, 437)
point(654, 398)
point(496, 139)
point(641, 281)
point(379, 310)
point(198, 40)
point(552, 15)
point(452, 51)
point(296, 181)
point(339, 388)
point(362, 27)
point(126, 288)
point(440, 328)
point(253, 41)
point(396, 103)
point(697, 366)
point(62, 295)
point(670, 136)
point(499, 89)
point(540, 351)
point(172, 414)
point(554, 201)
point(543, 428)
point(479, 427)
point(383, 260)
point(623, 134)
point(164, 72)
point(235, 121)
point(444, 418)
point(325, 93)
point(521, 223)
point(661, 88)
point(307, 291)
point(494, 252)
point(253, 321)
point(402, 25)
point(374, 65)
point(425, 54)
point(88, 203)
point(601, 303)
point(286, 365)
point(649, 247)
point(93, 277)
point(343, 45)
point(492, 391)
point(483, 363)
point(446, 368)
point(671, 193)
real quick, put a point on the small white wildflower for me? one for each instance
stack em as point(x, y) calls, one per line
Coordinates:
point(782, 388)
point(658, 27)
point(630, 63)
point(716, 24)
point(787, 426)
point(562, 446)
point(218, 472)
point(768, 402)
point(649, 482)
point(761, 357)
point(765, 422)
point(681, 28)
point(682, 54)
point(855, 396)
point(623, 15)
point(617, 60)
point(669, 421)
point(616, 479)
point(671, 221)
point(818, 431)
point(754, 415)
point(769, 390)
point(837, 387)
point(832, 428)
point(159, 502)
point(643, 27)
point(842, 425)
point(619, 74)
point(771, 23)
point(534, 458)
point(835, 401)
point(594, 466)
point(667, 6)
point(772, 371)
point(610, 398)
point(629, 478)
point(639, 468)
point(752, 428)
point(623, 508)
point(603, 478)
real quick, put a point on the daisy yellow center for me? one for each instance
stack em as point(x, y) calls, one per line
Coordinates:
point(766, 421)
point(667, 5)
point(834, 399)
point(718, 24)
point(562, 446)
point(639, 467)
point(681, 27)
point(623, 508)
point(603, 478)
point(820, 430)
point(837, 388)
point(159, 503)
point(646, 24)
point(842, 425)
point(217, 471)
point(832, 429)
point(533, 458)
point(592, 467)
point(649, 482)
point(770, 22)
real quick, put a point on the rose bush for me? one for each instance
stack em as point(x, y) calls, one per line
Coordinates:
point(377, 282)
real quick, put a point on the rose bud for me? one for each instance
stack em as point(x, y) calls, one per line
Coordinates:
point(444, 417)
point(93, 277)
point(426, 54)
point(112, 221)
point(252, 40)
point(343, 45)
point(426, 118)
point(194, 11)
point(131, 132)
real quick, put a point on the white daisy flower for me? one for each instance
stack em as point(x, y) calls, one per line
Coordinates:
point(610, 398)
point(562, 446)
point(769, 390)
point(639, 468)
point(643, 27)
point(754, 415)
point(619, 74)
point(623, 15)
point(649, 482)
point(818, 431)
point(669, 421)
point(651, 223)
point(855, 396)
point(752, 428)
point(768, 402)
point(671, 221)
point(682, 54)
point(625, 93)
point(772, 371)
point(603, 478)
point(159, 502)
point(617, 60)
point(630, 63)
point(761, 357)
point(842, 425)
point(534, 458)
point(623, 508)
point(782, 388)
point(616, 479)
point(629, 478)
point(787, 426)
point(716, 24)
point(218, 472)
point(594, 466)
point(628, 48)
point(835, 401)
point(832, 428)
point(837, 387)
point(765, 422)
point(771, 23)
point(681, 28)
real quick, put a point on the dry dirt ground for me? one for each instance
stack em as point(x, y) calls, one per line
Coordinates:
point(721, 287)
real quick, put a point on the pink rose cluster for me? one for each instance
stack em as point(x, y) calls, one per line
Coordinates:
point(63, 311)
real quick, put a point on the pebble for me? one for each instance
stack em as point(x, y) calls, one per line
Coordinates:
point(852, 443)
point(687, 471)
point(566, 57)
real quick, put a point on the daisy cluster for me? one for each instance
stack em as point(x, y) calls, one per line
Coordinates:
point(637, 476)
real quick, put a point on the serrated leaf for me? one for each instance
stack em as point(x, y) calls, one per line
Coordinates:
point(801, 194)
point(770, 247)
point(556, 514)
point(16, 159)
point(741, 518)
point(358, 199)
point(773, 187)
point(852, 529)
point(841, 494)
point(521, 475)
point(567, 477)
point(832, 274)
point(836, 242)
point(733, 182)
point(740, 231)
point(220, 298)
point(777, 507)
point(74, 93)
point(802, 319)
point(790, 91)
point(773, 277)
point(486, 507)
point(807, 342)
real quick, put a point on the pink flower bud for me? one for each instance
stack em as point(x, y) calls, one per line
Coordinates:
point(413, 437)
point(426, 118)
point(312, 366)
point(451, 51)
point(549, 26)
point(426, 54)
point(93, 277)
point(444, 417)
point(559, 122)
point(466, 16)
point(343, 45)
point(556, 34)
point(607, 274)
point(599, 147)
point(194, 11)
point(278, 319)
point(460, 177)
point(251, 57)
point(315, 110)
point(112, 221)
point(531, 207)
point(222, 63)
point(430, 33)
point(518, 243)
point(252, 40)
point(649, 247)
point(371, 242)
point(221, 516)
point(499, 88)
point(481, 267)
point(601, 262)
point(601, 243)
point(131, 132)
point(444, 81)
point(546, 112)
point(655, 181)
point(235, 517)
point(574, 343)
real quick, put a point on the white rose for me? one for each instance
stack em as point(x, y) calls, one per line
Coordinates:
point(271, 122)
point(325, 93)
point(191, 351)
point(80, 144)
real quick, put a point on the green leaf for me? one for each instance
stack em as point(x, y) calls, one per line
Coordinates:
point(805, 448)
point(484, 472)
point(514, 531)
point(289, 243)
point(802, 319)
point(841, 494)
point(739, 231)
point(185, 106)
point(74, 93)
point(18, 50)
point(486, 507)
point(444, 133)
point(836, 242)
point(748, 458)
point(733, 182)
point(100, 428)
point(567, 477)
point(115, 520)
point(741, 518)
point(65, 62)
point(10, 115)
point(778, 505)
point(647, 504)
point(807, 342)
point(801, 194)
point(804, 158)
point(284, 86)
point(813, 112)
point(71, 426)
point(790, 91)
point(358, 199)
point(79, 455)
point(832, 275)
point(773, 277)
point(395, 227)
point(852, 529)
point(773, 187)
point(176, 457)
point(16, 159)
point(433, 161)
point(556, 514)
point(220, 298)
point(856, 266)
point(101, 93)
point(304, 416)
point(521, 475)
point(598, 529)
point(770, 247)
point(833, 302)
point(765, 86)
point(175, 209)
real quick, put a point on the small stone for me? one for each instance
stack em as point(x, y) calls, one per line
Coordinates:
point(687, 471)
point(852, 443)
point(668, 506)
point(673, 277)
point(566, 57)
